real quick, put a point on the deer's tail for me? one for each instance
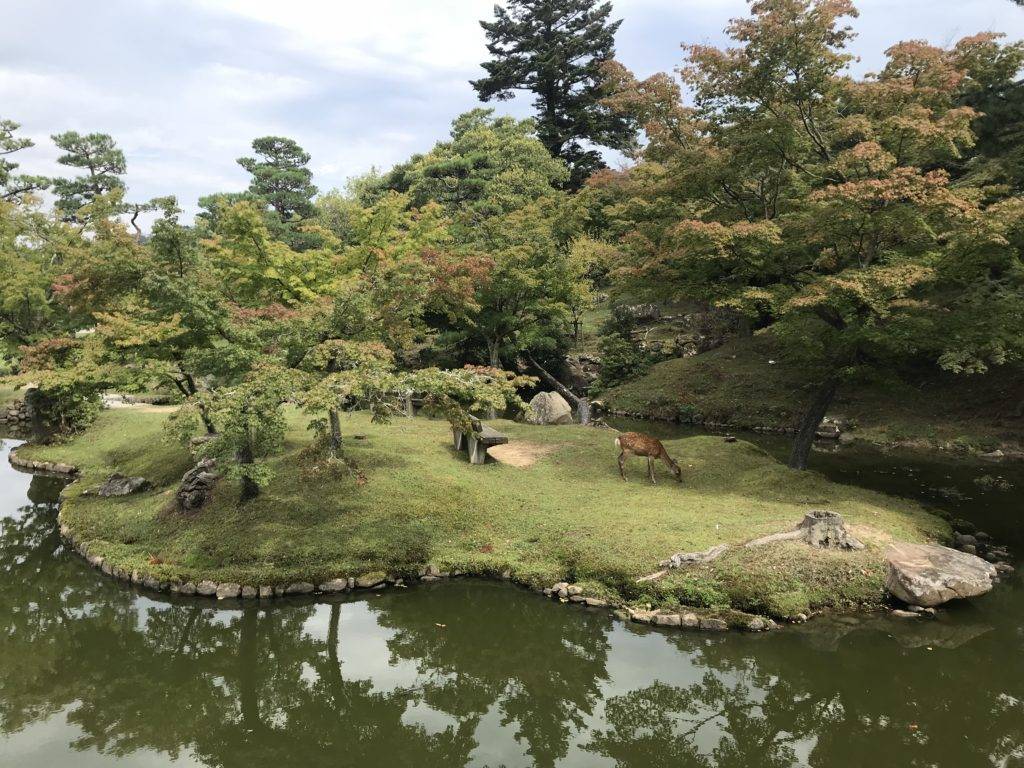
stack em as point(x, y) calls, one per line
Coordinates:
point(617, 444)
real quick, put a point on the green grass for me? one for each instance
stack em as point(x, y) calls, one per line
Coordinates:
point(9, 394)
point(736, 385)
point(569, 516)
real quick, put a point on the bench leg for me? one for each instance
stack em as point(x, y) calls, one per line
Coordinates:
point(458, 438)
point(477, 451)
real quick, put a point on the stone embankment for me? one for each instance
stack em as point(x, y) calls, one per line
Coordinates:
point(49, 467)
point(16, 414)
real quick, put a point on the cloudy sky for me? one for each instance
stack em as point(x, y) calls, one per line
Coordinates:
point(185, 85)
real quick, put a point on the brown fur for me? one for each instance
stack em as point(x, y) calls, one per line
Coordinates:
point(638, 444)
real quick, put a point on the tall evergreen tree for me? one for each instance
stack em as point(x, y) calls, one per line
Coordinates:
point(556, 49)
point(103, 162)
point(280, 176)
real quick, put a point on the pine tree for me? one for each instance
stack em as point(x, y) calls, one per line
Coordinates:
point(280, 176)
point(556, 49)
point(12, 185)
point(103, 162)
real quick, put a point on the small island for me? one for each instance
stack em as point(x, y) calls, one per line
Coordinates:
point(556, 511)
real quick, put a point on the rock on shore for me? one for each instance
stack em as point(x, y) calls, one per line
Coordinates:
point(928, 574)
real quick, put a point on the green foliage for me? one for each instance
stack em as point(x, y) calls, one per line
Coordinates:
point(492, 165)
point(555, 49)
point(258, 269)
point(621, 359)
point(459, 394)
point(26, 274)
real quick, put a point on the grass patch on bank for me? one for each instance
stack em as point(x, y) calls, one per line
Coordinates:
point(569, 516)
point(8, 394)
point(746, 383)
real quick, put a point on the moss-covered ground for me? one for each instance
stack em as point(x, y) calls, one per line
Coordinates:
point(567, 517)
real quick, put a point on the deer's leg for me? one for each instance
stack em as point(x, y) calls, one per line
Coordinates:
point(622, 464)
point(650, 469)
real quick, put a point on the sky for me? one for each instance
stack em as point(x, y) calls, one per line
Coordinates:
point(185, 85)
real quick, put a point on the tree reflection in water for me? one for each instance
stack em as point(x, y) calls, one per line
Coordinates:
point(507, 679)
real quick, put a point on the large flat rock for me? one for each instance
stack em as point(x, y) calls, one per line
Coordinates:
point(549, 408)
point(928, 574)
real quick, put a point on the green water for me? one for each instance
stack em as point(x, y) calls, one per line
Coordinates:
point(481, 674)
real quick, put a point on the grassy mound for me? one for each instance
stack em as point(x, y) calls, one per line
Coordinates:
point(737, 385)
point(568, 516)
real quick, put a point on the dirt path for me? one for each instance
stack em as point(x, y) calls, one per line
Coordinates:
point(521, 453)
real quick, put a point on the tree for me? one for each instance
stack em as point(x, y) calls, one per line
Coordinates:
point(555, 49)
point(14, 186)
point(509, 226)
point(810, 203)
point(349, 374)
point(280, 177)
point(990, 85)
point(103, 163)
point(249, 424)
point(490, 166)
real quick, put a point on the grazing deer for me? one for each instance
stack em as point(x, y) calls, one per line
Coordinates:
point(637, 444)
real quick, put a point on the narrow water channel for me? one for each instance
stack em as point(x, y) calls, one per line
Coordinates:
point(482, 674)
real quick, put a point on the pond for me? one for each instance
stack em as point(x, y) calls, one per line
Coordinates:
point(481, 674)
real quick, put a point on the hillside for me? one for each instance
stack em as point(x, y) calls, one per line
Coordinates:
point(746, 384)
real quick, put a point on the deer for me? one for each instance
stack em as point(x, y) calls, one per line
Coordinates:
point(638, 444)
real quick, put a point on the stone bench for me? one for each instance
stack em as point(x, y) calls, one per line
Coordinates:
point(477, 441)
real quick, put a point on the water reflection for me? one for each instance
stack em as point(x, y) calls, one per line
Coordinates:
point(473, 674)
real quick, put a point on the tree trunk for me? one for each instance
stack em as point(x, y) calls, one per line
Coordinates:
point(187, 387)
point(581, 404)
point(495, 358)
point(335, 444)
point(205, 416)
point(809, 423)
point(249, 488)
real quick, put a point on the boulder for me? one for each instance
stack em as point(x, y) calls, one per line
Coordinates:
point(549, 408)
point(334, 585)
point(228, 590)
point(832, 427)
point(686, 345)
point(121, 485)
point(196, 487)
point(929, 574)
